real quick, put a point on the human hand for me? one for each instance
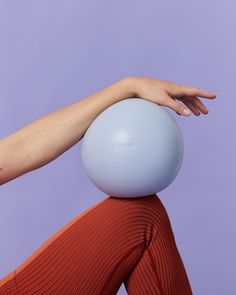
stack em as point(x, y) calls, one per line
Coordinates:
point(168, 94)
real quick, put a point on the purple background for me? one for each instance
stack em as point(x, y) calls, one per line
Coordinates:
point(53, 53)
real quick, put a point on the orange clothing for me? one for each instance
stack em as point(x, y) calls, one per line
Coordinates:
point(117, 240)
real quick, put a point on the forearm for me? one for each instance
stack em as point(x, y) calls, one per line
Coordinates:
point(43, 140)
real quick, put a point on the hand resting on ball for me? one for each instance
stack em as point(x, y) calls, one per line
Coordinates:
point(178, 97)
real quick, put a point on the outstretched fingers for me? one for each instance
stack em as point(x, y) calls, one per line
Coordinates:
point(195, 105)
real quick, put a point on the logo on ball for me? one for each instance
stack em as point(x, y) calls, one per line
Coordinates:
point(121, 147)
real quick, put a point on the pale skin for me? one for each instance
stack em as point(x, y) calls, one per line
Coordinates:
point(46, 138)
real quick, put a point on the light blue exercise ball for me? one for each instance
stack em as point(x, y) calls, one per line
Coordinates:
point(134, 148)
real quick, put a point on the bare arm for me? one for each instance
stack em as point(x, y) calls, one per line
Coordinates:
point(40, 142)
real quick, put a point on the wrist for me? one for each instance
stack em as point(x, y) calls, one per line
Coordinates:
point(129, 86)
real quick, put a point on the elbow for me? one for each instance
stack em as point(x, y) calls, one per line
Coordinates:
point(5, 176)
point(1, 176)
point(3, 179)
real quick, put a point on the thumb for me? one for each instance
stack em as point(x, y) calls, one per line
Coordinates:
point(179, 108)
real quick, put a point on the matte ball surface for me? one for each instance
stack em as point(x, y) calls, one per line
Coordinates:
point(133, 148)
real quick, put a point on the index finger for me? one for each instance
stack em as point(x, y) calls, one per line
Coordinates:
point(195, 91)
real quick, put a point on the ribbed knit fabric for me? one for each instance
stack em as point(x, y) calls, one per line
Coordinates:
point(116, 240)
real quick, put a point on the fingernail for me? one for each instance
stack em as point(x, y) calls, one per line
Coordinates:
point(186, 112)
point(212, 93)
